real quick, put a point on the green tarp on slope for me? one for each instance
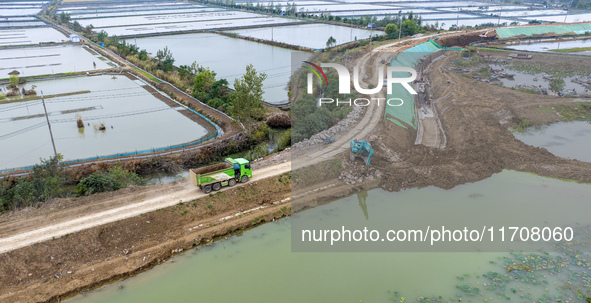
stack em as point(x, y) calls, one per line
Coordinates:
point(409, 58)
point(508, 32)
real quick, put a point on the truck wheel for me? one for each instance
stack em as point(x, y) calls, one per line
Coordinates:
point(244, 179)
point(217, 186)
point(207, 189)
point(232, 182)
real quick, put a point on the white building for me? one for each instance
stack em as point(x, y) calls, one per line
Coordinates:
point(75, 38)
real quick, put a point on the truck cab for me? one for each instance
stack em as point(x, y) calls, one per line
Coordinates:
point(241, 168)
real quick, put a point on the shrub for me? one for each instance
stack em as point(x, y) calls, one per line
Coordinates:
point(284, 141)
point(115, 179)
point(281, 120)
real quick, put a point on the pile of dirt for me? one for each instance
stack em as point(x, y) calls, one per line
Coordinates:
point(463, 38)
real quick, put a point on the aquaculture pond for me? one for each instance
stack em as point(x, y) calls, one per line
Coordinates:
point(547, 46)
point(571, 18)
point(259, 266)
point(308, 35)
point(175, 27)
point(565, 139)
point(219, 54)
point(30, 36)
point(50, 60)
point(135, 119)
point(166, 18)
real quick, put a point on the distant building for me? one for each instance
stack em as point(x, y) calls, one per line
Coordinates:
point(75, 38)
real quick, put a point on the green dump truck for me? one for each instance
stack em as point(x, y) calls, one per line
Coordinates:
point(215, 176)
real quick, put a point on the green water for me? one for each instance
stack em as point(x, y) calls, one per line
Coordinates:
point(258, 266)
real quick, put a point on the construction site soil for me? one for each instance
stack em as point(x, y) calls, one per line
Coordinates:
point(56, 269)
point(475, 117)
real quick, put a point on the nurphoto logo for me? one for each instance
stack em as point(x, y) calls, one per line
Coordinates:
point(344, 81)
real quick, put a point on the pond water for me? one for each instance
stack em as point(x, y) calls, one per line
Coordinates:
point(129, 30)
point(30, 36)
point(565, 139)
point(219, 54)
point(523, 80)
point(48, 60)
point(302, 7)
point(489, 7)
point(391, 12)
point(22, 24)
point(550, 45)
point(7, 12)
point(166, 18)
point(525, 13)
point(86, 9)
point(308, 35)
point(569, 19)
point(101, 14)
point(258, 265)
point(134, 119)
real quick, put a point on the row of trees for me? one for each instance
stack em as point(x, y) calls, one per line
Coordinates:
point(244, 102)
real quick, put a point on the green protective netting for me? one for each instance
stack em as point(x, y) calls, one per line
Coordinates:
point(409, 58)
point(508, 32)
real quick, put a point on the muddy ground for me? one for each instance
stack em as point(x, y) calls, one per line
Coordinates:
point(476, 118)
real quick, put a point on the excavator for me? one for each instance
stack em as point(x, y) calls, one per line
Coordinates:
point(361, 148)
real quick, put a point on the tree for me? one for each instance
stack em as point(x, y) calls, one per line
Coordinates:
point(391, 30)
point(64, 18)
point(88, 29)
point(168, 64)
point(101, 36)
point(163, 54)
point(13, 81)
point(165, 59)
point(330, 42)
point(557, 84)
point(248, 96)
point(204, 81)
point(409, 28)
point(143, 55)
point(77, 27)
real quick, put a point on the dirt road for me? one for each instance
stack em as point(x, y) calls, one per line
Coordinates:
point(135, 204)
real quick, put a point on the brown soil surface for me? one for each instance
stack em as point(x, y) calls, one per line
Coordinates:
point(58, 268)
point(476, 117)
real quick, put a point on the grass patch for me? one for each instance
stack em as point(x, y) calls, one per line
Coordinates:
point(522, 126)
point(102, 58)
point(571, 50)
point(148, 75)
point(578, 111)
point(471, 62)
point(525, 90)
